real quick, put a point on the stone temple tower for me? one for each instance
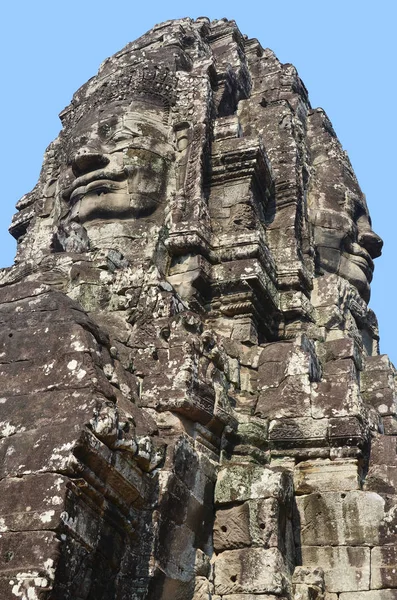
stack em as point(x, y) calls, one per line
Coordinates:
point(193, 405)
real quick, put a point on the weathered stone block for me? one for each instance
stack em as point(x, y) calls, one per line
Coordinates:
point(253, 432)
point(382, 472)
point(25, 587)
point(309, 576)
point(248, 597)
point(384, 567)
point(32, 502)
point(381, 362)
point(202, 589)
point(176, 553)
point(308, 584)
point(384, 400)
point(298, 432)
point(329, 317)
point(270, 525)
point(382, 479)
point(326, 476)
point(371, 595)
point(378, 385)
point(250, 571)
point(270, 374)
point(22, 413)
point(390, 425)
point(248, 380)
point(83, 521)
point(232, 528)
point(341, 369)
point(335, 397)
point(65, 372)
point(346, 568)
point(119, 473)
point(307, 592)
point(339, 519)
point(346, 431)
point(341, 349)
point(244, 482)
point(46, 449)
point(244, 331)
point(384, 450)
point(276, 353)
point(290, 399)
point(28, 554)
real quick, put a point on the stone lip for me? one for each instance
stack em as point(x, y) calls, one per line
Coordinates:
point(86, 183)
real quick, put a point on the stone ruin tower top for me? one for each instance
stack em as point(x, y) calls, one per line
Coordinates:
point(194, 404)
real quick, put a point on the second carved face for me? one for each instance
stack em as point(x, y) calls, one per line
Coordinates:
point(345, 242)
point(119, 161)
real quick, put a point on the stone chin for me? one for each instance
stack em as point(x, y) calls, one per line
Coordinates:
point(358, 273)
point(353, 268)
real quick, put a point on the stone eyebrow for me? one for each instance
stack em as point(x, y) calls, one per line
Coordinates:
point(124, 131)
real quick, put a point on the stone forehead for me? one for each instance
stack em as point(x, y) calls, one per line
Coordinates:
point(124, 85)
point(346, 204)
point(140, 114)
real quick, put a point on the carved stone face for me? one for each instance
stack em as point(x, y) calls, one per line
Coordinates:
point(345, 242)
point(119, 164)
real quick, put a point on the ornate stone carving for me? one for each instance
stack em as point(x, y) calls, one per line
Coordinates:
point(193, 400)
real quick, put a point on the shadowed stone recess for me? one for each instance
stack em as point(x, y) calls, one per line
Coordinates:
point(193, 405)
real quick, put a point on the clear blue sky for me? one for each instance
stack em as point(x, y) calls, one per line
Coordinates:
point(345, 52)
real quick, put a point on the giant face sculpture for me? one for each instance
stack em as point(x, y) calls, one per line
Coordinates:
point(118, 164)
point(344, 241)
point(346, 244)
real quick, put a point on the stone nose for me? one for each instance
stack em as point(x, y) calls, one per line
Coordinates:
point(371, 242)
point(86, 160)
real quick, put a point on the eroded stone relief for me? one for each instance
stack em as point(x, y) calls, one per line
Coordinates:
point(193, 402)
